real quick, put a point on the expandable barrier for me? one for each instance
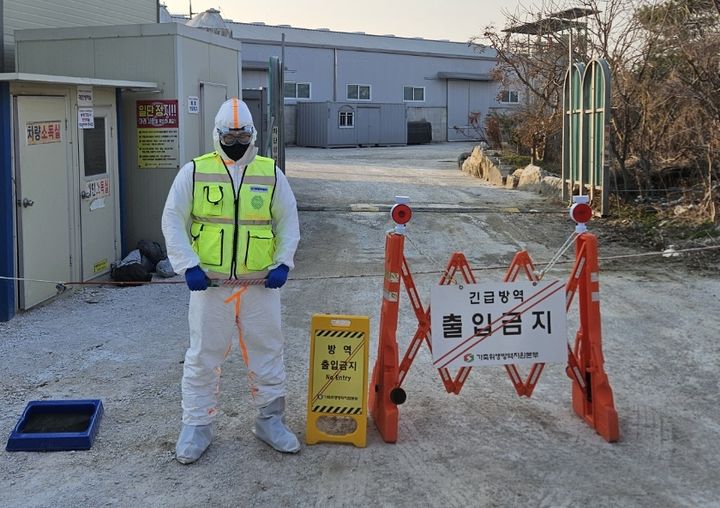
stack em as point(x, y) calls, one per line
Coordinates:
point(592, 397)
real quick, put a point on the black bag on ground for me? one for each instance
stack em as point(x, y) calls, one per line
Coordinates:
point(131, 269)
point(152, 250)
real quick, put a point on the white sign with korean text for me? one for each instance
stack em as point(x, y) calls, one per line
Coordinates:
point(498, 323)
point(84, 96)
point(99, 188)
point(193, 105)
point(40, 133)
point(86, 118)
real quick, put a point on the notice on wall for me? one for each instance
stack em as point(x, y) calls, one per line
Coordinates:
point(97, 204)
point(193, 105)
point(100, 266)
point(39, 133)
point(98, 188)
point(86, 118)
point(157, 133)
point(498, 324)
point(84, 96)
point(275, 142)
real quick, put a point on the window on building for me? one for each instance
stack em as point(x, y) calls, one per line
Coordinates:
point(414, 93)
point(346, 119)
point(509, 96)
point(358, 92)
point(294, 90)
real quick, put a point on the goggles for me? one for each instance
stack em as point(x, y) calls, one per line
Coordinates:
point(230, 137)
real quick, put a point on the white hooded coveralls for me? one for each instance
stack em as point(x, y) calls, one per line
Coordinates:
point(212, 322)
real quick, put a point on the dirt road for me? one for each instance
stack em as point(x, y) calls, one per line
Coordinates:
point(485, 447)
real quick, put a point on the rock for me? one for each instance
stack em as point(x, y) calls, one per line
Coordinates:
point(511, 182)
point(473, 165)
point(497, 175)
point(488, 168)
point(530, 178)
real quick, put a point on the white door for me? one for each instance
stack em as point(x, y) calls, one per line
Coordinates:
point(43, 203)
point(98, 195)
point(212, 95)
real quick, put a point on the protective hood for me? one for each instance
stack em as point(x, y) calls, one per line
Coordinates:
point(234, 114)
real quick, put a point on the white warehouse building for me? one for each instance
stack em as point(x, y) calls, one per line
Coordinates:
point(446, 83)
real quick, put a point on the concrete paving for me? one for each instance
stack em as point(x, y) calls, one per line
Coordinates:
point(484, 447)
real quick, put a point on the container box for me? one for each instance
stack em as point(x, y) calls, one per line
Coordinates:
point(56, 425)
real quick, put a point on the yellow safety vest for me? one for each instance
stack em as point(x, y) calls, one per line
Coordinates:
point(232, 233)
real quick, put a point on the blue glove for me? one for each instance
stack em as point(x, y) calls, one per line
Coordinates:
point(196, 279)
point(277, 277)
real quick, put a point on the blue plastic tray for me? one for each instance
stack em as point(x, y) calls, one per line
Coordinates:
point(55, 425)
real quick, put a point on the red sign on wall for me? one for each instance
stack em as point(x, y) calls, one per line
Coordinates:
point(157, 114)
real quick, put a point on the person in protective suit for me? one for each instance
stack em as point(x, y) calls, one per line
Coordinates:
point(231, 214)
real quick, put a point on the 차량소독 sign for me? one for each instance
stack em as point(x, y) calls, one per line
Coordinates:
point(498, 323)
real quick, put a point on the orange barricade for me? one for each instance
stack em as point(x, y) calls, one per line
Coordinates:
point(382, 400)
point(591, 392)
point(592, 396)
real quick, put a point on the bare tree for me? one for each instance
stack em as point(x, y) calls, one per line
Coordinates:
point(664, 57)
point(535, 63)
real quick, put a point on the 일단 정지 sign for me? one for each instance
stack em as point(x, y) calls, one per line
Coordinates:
point(157, 124)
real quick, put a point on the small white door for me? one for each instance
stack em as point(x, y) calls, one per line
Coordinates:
point(43, 203)
point(98, 195)
point(212, 95)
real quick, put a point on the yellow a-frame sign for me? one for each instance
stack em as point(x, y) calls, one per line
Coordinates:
point(337, 381)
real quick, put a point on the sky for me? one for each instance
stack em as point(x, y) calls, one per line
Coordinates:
point(456, 20)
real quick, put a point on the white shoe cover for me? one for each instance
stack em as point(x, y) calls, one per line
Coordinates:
point(192, 443)
point(270, 428)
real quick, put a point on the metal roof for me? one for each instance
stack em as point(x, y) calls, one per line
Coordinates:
point(464, 76)
point(27, 77)
point(261, 33)
point(554, 22)
point(248, 32)
point(574, 13)
point(544, 26)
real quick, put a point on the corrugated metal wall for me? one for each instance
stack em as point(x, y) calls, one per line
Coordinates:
point(393, 124)
point(312, 124)
point(22, 14)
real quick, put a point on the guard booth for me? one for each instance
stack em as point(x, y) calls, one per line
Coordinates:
point(79, 195)
point(60, 150)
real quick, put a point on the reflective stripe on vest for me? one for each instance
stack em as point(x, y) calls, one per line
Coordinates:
point(232, 233)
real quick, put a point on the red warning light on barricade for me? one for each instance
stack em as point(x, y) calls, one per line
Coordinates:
point(401, 213)
point(580, 211)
